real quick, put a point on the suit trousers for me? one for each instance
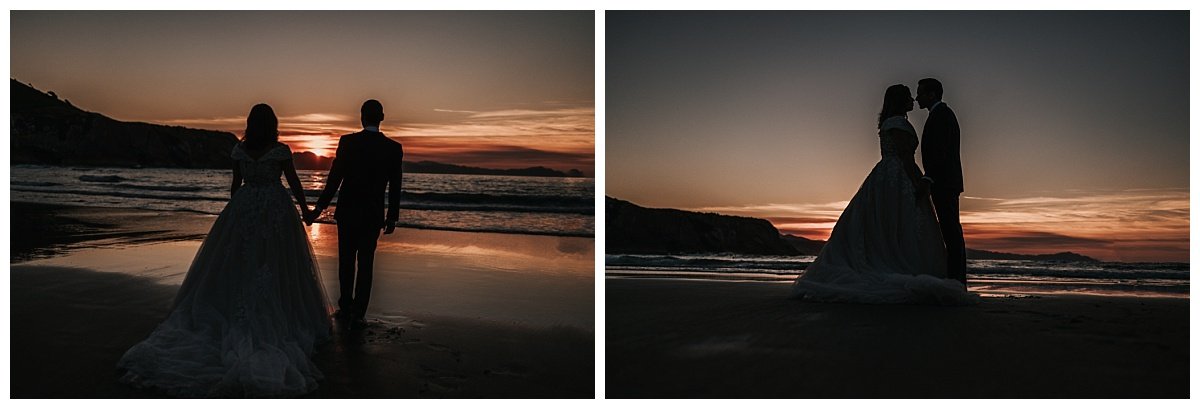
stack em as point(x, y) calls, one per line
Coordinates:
point(355, 243)
point(945, 204)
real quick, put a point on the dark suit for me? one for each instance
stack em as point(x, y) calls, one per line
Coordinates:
point(366, 164)
point(940, 156)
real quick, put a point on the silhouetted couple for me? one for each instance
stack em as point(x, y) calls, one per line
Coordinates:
point(252, 308)
point(892, 243)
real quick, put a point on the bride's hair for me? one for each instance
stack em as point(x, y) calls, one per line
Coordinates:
point(895, 102)
point(262, 128)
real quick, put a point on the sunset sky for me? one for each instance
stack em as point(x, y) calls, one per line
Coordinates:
point(491, 89)
point(1074, 124)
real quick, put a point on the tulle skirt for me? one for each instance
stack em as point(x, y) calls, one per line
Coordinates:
point(886, 248)
point(249, 313)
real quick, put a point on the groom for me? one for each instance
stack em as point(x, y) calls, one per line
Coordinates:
point(939, 155)
point(366, 163)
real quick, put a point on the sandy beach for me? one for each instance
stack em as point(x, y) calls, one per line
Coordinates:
point(673, 338)
point(454, 314)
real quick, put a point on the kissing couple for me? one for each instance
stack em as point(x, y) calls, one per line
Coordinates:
point(252, 307)
point(899, 240)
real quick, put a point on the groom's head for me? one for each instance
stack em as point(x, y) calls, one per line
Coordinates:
point(929, 92)
point(372, 113)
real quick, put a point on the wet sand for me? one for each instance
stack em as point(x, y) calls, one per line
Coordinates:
point(671, 338)
point(453, 314)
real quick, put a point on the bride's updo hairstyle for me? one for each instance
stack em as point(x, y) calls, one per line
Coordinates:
point(262, 128)
point(895, 102)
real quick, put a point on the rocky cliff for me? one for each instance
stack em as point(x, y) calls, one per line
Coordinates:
point(632, 229)
point(49, 131)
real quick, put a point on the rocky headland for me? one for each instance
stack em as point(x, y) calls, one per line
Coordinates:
point(47, 130)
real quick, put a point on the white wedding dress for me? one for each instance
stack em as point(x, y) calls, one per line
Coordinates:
point(886, 247)
point(251, 308)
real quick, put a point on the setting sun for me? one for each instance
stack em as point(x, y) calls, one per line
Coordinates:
point(319, 152)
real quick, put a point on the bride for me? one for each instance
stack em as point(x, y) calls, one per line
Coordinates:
point(251, 308)
point(886, 246)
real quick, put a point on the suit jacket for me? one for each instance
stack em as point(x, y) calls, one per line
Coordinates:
point(366, 164)
point(940, 150)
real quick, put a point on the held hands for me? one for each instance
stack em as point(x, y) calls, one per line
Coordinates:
point(306, 216)
point(310, 216)
point(923, 186)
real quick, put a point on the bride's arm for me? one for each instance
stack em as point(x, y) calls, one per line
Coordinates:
point(289, 171)
point(914, 174)
point(237, 179)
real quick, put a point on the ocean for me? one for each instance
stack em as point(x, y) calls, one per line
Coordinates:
point(984, 276)
point(478, 203)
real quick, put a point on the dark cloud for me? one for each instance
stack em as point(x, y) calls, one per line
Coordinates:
point(793, 220)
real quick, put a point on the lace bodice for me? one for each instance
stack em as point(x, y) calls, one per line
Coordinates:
point(898, 144)
point(266, 169)
point(262, 194)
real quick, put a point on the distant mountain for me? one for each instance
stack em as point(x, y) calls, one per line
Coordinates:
point(308, 160)
point(437, 167)
point(49, 131)
point(806, 247)
point(632, 229)
point(811, 247)
point(973, 254)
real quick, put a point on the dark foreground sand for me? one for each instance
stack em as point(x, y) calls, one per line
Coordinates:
point(41, 230)
point(707, 339)
point(82, 301)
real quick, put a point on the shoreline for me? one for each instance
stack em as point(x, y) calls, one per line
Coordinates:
point(81, 302)
point(326, 219)
point(709, 339)
point(48, 165)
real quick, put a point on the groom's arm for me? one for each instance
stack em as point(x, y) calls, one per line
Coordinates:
point(395, 182)
point(333, 181)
